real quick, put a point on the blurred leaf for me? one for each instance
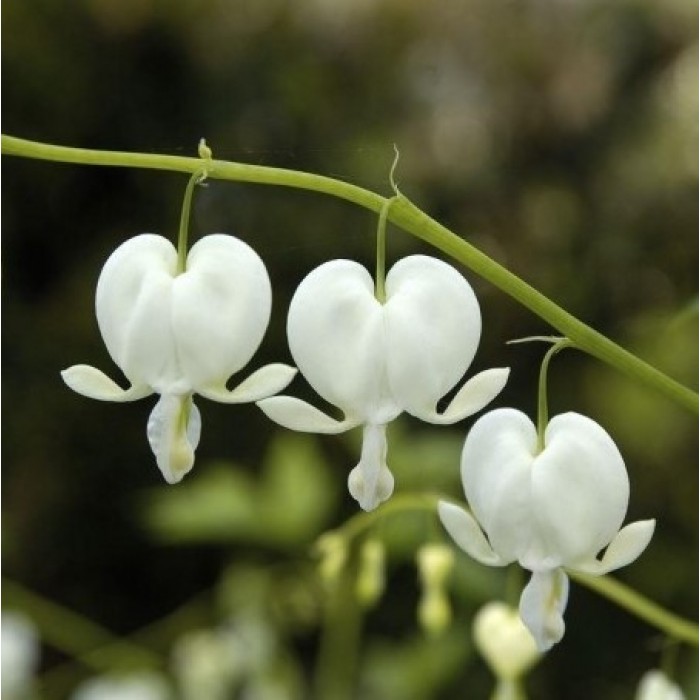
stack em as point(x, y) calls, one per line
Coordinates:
point(416, 668)
point(287, 506)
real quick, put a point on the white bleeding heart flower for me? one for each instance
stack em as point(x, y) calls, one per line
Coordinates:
point(179, 334)
point(374, 360)
point(548, 509)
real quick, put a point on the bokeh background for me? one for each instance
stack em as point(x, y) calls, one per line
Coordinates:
point(558, 136)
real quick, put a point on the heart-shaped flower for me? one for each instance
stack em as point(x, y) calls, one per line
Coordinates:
point(547, 508)
point(177, 334)
point(375, 359)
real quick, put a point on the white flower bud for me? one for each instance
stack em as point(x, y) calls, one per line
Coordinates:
point(503, 640)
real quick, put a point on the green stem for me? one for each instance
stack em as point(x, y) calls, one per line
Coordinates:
point(185, 221)
point(542, 410)
point(635, 603)
point(380, 276)
point(74, 634)
point(403, 214)
point(340, 640)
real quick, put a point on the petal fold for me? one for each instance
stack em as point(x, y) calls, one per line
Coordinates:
point(468, 536)
point(91, 382)
point(264, 382)
point(173, 431)
point(295, 414)
point(542, 606)
point(476, 394)
point(626, 546)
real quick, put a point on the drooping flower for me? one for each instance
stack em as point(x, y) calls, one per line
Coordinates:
point(549, 509)
point(375, 360)
point(179, 334)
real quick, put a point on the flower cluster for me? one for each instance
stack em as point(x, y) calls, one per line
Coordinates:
point(550, 500)
point(181, 334)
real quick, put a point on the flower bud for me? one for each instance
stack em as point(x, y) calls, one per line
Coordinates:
point(371, 578)
point(333, 551)
point(435, 562)
point(655, 685)
point(503, 640)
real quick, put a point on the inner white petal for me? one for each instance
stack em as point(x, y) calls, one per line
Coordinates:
point(173, 432)
point(371, 482)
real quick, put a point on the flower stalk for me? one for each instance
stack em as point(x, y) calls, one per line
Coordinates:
point(404, 214)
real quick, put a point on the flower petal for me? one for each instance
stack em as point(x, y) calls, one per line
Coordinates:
point(133, 306)
point(496, 469)
point(220, 309)
point(90, 382)
point(433, 326)
point(296, 414)
point(465, 531)
point(262, 383)
point(542, 606)
point(335, 329)
point(371, 482)
point(477, 393)
point(173, 431)
point(627, 545)
point(579, 489)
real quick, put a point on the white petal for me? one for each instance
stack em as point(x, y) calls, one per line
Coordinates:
point(133, 305)
point(542, 606)
point(336, 336)
point(90, 382)
point(433, 325)
point(262, 383)
point(371, 482)
point(627, 545)
point(496, 472)
point(220, 309)
point(579, 489)
point(296, 414)
point(477, 393)
point(467, 534)
point(173, 431)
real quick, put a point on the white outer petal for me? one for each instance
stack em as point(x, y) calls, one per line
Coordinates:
point(433, 326)
point(626, 546)
point(90, 382)
point(476, 393)
point(133, 303)
point(260, 384)
point(579, 489)
point(496, 472)
point(296, 414)
point(220, 309)
point(542, 606)
point(335, 330)
point(467, 534)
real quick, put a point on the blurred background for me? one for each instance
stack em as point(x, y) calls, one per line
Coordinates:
point(558, 136)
